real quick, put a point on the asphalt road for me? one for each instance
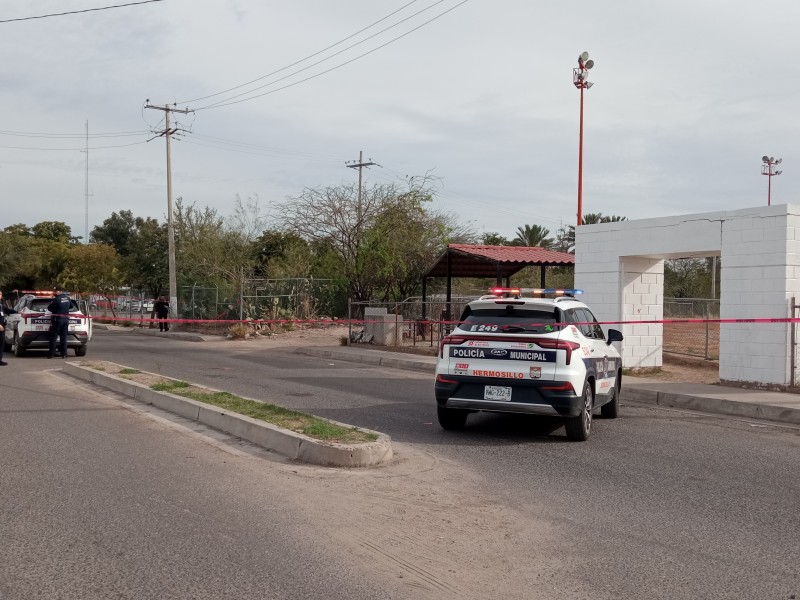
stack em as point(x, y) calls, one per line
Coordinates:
point(658, 504)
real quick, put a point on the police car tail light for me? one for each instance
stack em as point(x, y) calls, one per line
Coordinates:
point(559, 345)
point(564, 387)
point(453, 340)
point(443, 379)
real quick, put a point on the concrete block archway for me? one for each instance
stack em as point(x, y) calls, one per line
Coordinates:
point(620, 267)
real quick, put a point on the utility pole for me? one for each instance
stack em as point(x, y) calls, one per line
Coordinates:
point(360, 166)
point(86, 191)
point(167, 133)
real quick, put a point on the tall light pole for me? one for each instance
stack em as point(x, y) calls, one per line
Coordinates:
point(580, 77)
point(768, 169)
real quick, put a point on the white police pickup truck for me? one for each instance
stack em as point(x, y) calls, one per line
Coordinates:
point(29, 328)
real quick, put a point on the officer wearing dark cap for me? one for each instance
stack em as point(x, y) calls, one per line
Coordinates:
point(59, 327)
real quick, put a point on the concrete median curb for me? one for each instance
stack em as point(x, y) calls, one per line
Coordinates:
point(771, 411)
point(282, 441)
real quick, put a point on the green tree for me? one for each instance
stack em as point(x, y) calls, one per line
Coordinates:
point(91, 268)
point(533, 235)
point(491, 238)
point(594, 218)
point(211, 247)
point(565, 238)
point(282, 254)
point(54, 231)
point(686, 278)
point(147, 264)
point(19, 229)
point(375, 243)
point(117, 231)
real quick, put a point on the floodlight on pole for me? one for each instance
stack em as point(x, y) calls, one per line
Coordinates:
point(768, 169)
point(580, 78)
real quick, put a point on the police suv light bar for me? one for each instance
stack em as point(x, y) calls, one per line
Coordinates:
point(500, 291)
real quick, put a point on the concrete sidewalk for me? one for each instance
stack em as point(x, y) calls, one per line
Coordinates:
point(750, 404)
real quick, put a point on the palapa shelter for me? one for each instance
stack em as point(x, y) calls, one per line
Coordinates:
point(499, 262)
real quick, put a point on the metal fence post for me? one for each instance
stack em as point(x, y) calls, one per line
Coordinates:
point(707, 317)
point(793, 343)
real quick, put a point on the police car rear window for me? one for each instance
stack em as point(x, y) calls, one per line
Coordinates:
point(41, 304)
point(509, 319)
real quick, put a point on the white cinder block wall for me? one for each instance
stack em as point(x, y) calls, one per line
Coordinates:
point(642, 300)
point(620, 266)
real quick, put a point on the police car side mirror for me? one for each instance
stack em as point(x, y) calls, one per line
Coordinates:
point(614, 335)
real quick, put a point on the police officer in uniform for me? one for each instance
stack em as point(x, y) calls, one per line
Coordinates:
point(59, 326)
point(3, 312)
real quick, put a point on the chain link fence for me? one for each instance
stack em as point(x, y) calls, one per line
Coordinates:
point(692, 339)
point(253, 299)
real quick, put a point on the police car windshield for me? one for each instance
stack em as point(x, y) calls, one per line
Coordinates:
point(509, 319)
point(41, 304)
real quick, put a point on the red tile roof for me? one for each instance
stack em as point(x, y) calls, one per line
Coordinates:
point(475, 260)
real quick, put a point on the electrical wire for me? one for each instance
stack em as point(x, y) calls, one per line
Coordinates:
point(337, 160)
point(73, 149)
point(302, 59)
point(298, 153)
point(81, 136)
point(230, 101)
point(75, 12)
point(327, 58)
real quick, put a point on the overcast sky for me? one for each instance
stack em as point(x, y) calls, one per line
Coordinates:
point(688, 96)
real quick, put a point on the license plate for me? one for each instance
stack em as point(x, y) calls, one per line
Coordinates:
point(497, 392)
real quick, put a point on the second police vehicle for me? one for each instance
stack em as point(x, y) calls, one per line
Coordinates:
point(29, 329)
point(533, 355)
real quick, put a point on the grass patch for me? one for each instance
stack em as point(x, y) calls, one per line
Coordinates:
point(127, 371)
point(642, 371)
point(94, 366)
point(282, 417)
point(168, 386)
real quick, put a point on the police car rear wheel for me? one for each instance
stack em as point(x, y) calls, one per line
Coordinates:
point(80, 351)
point(450, 418)
point(18, 350)
point(578, 428)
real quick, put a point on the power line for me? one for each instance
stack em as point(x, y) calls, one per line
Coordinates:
point(75, 12)
point(230, 101)
point(216, 142)
point(71, 135)
point(303, 59)
point(73, 149)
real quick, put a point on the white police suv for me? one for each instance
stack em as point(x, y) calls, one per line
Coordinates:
point(29, 329)
point(543, 354)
